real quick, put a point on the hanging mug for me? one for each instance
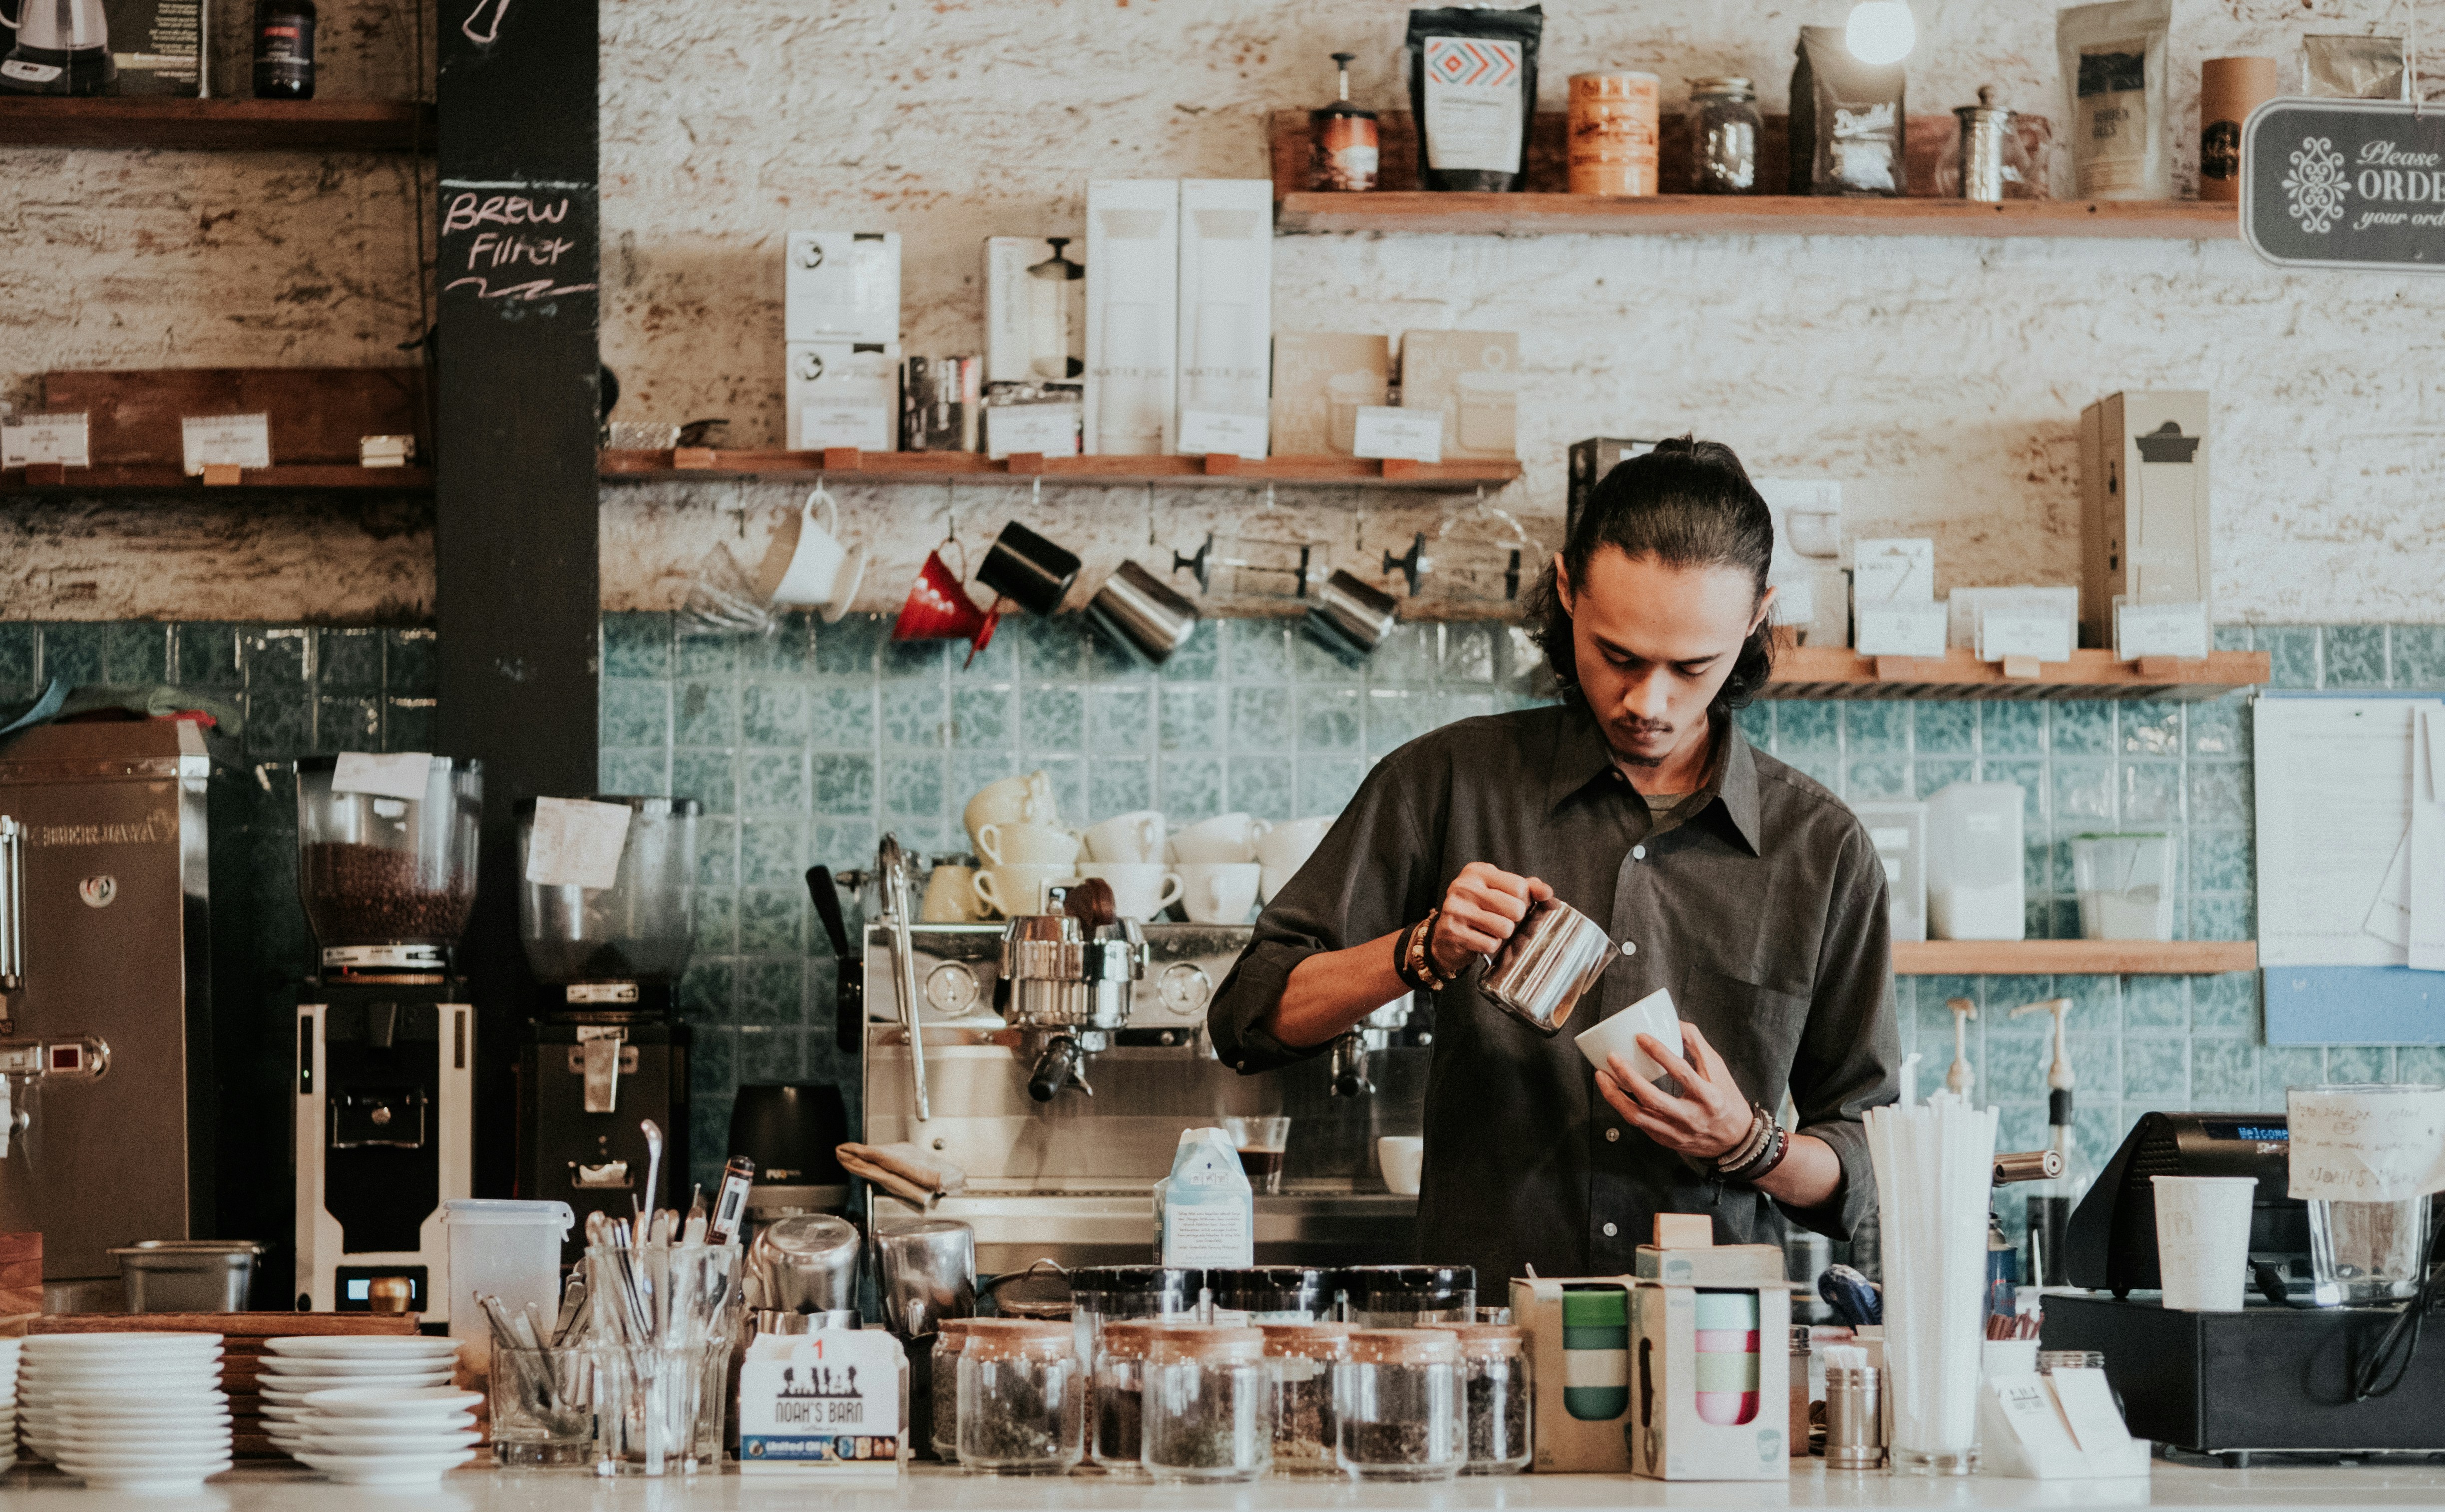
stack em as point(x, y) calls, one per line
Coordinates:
point(1029, 570)
point(939, 607)
point(808, 567)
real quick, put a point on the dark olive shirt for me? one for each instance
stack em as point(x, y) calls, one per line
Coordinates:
point(1760, 905)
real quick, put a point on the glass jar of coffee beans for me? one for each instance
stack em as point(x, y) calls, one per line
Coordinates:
point(1400, 1405)
point(1022, 1400)
point(1501, 1397)
point(1208, 1405)
point(1302, 1356)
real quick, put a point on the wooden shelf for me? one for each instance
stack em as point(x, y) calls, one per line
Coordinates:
point(846, 465)
point(1750, 215)
point(167, 478)
point(269, 126)
point(2103, 957)
point(1836, 672)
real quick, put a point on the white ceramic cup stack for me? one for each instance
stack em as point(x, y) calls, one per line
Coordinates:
point(8, 1360)
point(135, 1412)
point(295, 1369)
point(380, 1435)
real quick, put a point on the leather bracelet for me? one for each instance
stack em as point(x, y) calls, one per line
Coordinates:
point(1401, 968)
point(1752, 1144)
point(1774, 1158)
point(1421, 957)
point(1764, 1158)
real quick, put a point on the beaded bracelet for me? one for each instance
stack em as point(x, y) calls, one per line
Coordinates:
point(1414, 960)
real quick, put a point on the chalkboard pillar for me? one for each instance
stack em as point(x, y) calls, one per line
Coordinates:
point(515, 468)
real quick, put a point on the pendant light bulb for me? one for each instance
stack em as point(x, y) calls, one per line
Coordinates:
point(1882, 32)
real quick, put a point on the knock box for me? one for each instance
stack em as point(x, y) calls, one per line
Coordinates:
point(1709, 1373)
point(1579, 1344)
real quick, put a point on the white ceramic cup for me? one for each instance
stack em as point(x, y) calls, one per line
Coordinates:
point(2203, 1240)
point(1228, 838)
point(1027, 845)
point(1284, 848)
point(1140, 890)
point(951, 897)
point(1218, 892)
point(807, 565)
point(1404, 1159)
point(1618, 1034)
point(1012, 800)
point(1127, 839)
point(1014, 890)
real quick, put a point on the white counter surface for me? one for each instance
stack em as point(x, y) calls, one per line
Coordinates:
point(928, 1488)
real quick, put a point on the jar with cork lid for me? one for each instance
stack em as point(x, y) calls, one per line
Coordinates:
point(1400, 1406)
point(1302, 1356)
point(950, 1338)
point(1208, 1405)
point(1501, 1396)
point(1117, 1413)
point(1021, 1399)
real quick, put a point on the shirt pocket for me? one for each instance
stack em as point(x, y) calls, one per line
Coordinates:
point(1755, 1026)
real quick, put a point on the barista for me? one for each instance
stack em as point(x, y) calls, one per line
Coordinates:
point(1721, 873)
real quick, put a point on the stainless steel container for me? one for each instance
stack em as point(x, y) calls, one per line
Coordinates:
point(1990, 148)
point(1854, 1434)
point(942, 403)
point(925, 1271)
point(187, 1275)
point(1548, 964)
point(1142, 615)
point(1351, 615)
point(805, 1264)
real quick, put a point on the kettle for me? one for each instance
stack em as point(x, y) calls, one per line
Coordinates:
point(62, 48)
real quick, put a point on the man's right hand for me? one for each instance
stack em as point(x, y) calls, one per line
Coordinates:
point(1482, 907)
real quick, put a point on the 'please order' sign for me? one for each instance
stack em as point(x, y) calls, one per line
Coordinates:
point(2345, 183)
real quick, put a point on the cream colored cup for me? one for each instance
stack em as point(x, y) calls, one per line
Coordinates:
point(1404, 1158)
point(1226, 838)
point(1012, 800)
point(1014, 890)
point(951, 897)
point(1127, 839)
point(1282, 850)
point(1027, 845)
point(1217, 892)
point(809, 565)
point(1140, 890)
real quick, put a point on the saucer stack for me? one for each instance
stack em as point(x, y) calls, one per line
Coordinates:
point(293, 1369)
point(379, 1435)
point(9, 1352)
point(126, 1411)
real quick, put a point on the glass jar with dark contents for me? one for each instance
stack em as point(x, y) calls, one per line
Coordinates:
point(1302, 1356)
point(950, 1339)
point(1022, 1400)
point(1407, 1296)
point(1102, 1294)
point(1501, 1397)
point(1115, 1427)
point(1400, 1406)
point(1724, 126)
point(1208, 1405)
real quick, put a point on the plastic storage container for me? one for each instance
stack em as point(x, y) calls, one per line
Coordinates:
point(1400, 1405)
point(643, 927)
point(1898, 829)
point(1208, 1405)
point(1022, 1400)
point(1407, 1296)
point(1974, 887)
point(2125, 883)
point(506, 1249)
point(1302, 1356)
point(388, 881)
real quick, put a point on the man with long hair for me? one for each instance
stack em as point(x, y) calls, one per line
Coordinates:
point(1723, 875)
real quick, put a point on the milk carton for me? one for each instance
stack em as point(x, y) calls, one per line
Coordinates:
point(1204, 1211)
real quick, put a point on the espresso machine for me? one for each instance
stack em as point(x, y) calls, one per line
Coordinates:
point(385, 1036)
point(603, 1054)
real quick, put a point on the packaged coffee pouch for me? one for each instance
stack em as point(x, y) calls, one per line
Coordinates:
point(1846, 121)
point(2354, 68)
point(2113, 70)
point(1473, 91)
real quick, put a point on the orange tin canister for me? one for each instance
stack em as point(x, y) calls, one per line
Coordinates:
point(1614, 123)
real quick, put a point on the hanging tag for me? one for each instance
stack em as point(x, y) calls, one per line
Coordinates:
point(576, 843)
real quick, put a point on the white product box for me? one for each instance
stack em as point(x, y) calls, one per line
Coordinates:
point(1035, 310)
point(1226, 280)
point(2027, 620)
point(1897, 828)
point(1897, 629)
point(826, 1406)
point(841, 285)
point(2147, 517)
point(1133, 315)
point(1807, 524)
point(1892, 570)
point(1670, 1439)
point(842, 394)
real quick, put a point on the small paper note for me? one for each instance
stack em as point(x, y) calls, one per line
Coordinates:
point(45, 440)
point(868, 427)
point(2160, 629)
point(1410, 434)
point(226, 440)
point(576, 843)
point(1900, 629)
point(1208, 433)
point(2046, 637)
point(2088, 1406)
point(1048, 430)
point(2366, 1146)
point(389, 774)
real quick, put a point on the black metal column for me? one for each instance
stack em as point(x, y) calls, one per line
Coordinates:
point(515, 426)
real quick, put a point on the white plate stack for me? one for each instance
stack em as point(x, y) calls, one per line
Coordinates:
point(378, 1435)
point(9, 1357)
point(293, 1369)
point(126, 1411)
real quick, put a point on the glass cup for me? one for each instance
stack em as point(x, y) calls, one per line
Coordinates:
point(1263, 1143)
point(648, 1398)
point(543, 1406)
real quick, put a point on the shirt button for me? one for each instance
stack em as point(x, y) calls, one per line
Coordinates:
point(1613, 1136)
point(1628, 948)
point(1610, 1231)
point(1637, 853)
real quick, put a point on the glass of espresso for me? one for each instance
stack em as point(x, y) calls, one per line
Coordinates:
point(1262, 1142)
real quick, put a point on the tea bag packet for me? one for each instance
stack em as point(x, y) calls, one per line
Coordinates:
point(2354, 68)
point(1473, 92)
point(1205, 1211)
point(1846, 121)
point(2113, 59)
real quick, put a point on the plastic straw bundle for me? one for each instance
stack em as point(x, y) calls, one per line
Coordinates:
point(1934, 1169)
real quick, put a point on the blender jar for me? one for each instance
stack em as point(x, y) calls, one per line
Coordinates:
point(642, 927)
point(388, 881)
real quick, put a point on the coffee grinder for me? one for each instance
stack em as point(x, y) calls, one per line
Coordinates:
point(603, 1054)
point(385, 1036)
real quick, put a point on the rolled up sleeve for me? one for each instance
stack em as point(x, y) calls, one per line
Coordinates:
point(1850, 1054)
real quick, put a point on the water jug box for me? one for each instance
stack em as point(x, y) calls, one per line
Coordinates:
point(2146, 516)
point(1034, 297)
point(1226, 280)
point(1578, 1349)
point(1704, 1408)
point(1473, 378)
point(1898, 829)
point(1133, 315)
point(1321, 381)
point(842, 394)
point(841, 285)
point(826, 1406)
point(1591, 459)
point(1205, 1211)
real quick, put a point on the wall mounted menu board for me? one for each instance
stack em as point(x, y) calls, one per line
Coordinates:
point(2345, 183)
point(523, 248)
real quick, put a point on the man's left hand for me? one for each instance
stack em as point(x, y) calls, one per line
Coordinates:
point(1710, 1117)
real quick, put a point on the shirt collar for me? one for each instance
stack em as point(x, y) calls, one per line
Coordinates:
point(1581, 756)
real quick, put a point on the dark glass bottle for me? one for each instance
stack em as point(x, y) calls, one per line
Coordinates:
point(284, 49)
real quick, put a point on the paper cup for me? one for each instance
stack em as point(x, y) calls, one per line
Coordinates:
point(2203, 1240)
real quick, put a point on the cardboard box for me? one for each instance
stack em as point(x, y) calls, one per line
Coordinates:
point(1591, 459)
point(2146, 520)
point(841, 285)
point(156, 45)
point(1897, 828)
point(1473, 378)
point(1321, 381)
point(1035, 309)
point(1578, 1347)
point(842, 394)
point(1669, 1440)
point(1227, 310)
point(1132, 316)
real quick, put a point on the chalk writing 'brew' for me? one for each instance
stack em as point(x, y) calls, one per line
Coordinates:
point(467, 212)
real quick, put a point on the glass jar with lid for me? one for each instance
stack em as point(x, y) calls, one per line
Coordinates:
point(1724, 128)
point(1399, 1406)
point(1408, 1295)
point(1116, 1417)
point(1500, 1394)
point(1302, 1356)
point(1272, 1294)
point(1101, 1293)
point(1021, 1400)
point(950, 1338)
point(1208, 1405)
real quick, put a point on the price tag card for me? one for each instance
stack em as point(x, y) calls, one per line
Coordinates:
point(2000, 634)
point(1048, 430)
point(2160, 629)
point(1207, 432)
point(392, 775)
point(45, 441)
point(1409, 435)
point(226, 440)
point(576, 843)
point(868, 427)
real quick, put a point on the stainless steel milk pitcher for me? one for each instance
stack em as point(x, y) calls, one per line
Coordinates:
point(1552, 960)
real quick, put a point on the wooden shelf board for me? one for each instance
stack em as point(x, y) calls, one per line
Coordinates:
point(1836, 672)
point(962, 467)
point(1749, 216)
point(166, 478)
point(274, 125)
point(2022, 958)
